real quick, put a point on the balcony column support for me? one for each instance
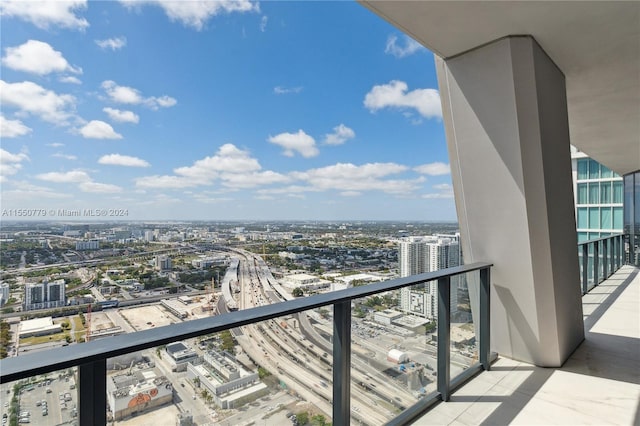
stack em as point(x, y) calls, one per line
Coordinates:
point(505, 113)
point(444, 338)
point(92, 393)
point(341, 363)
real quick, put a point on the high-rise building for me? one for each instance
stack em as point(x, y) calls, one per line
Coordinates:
point(599, 197)
point(417, 255)
point(4, 293)
point(44, 295)
point(163, 263)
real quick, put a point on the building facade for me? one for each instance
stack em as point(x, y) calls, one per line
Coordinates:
point(599, 197)
point(417, 255)
point(44, 295)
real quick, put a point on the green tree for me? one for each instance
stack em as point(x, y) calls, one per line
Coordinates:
point(297, 292)
point(302, 418)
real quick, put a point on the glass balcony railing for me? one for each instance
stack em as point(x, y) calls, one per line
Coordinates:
point(339, 353)
point(599, 259)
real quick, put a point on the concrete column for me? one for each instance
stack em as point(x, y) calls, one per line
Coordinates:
point(505, 113)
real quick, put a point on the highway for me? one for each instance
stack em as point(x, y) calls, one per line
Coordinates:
point(302, 358)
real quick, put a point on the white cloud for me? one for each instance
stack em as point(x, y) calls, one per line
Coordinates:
point(433, 169)
point(340, 135)
point(26, 191)
point(37, 57)
point(251, 180)
point(350, 193)
point(45, 14)
point(96, 129)
point(74, 176)
point(445, 190)
point(12, 128)
point(65, 156)
point(55, 145)
point(395, 95)
point(304, 144)
point(112, 43)
point(396, 49)
point(229, 159)
point(280, 90)
point(30, 98)
point(121, 116)
point(263, 23)
point(131, 96)
point(234, 167)
point(195, 14)
point(123, 160)
point(84, 181)
point(99, 187)
point(174, 182)
point(70, 79)
point(347, 177)
point(10, 164)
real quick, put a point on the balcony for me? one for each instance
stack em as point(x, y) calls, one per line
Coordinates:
point(343, 400)
point(508, 391)
point(598, 384)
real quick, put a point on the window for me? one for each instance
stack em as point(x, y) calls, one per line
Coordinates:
point(594, 169)
point(594, 193)
point(618, 192)
point(617, 218)
point(582, 236)
point(605, 172)
point(605, 218)
point(583, 218)
point(582, 193)
point(594, 217)
point(605, 192)
point(583, 168)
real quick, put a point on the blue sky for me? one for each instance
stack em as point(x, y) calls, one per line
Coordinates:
point(225, 110)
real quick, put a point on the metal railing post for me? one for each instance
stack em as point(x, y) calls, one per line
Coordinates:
point(444, 337)
point(596, 263)
point(485, 314)
point(341, 363)
point(92, 393)
point(605, 259)
point(585, 268)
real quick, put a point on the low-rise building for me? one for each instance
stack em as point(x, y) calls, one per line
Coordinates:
point(230, 385)
point(134, 393)
point(179, 355)
point(38, 327)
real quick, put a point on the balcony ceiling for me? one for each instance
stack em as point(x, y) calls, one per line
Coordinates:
point(595, 43)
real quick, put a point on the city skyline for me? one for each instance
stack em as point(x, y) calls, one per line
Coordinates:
point(234, 111)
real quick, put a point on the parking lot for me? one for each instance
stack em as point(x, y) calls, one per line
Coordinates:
point(50, 401)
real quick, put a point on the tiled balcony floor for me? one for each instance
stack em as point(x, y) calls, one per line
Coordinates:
point(599, 384)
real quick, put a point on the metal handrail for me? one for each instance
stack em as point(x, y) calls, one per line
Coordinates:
point(612, 259)
point(91, 357)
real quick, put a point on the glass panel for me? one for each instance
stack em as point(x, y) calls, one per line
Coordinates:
point(605, 218)
point(618, 192)
point(594, 235)
point(594, 193)
point(464, 342)
point(605, 192)
point(582, 236)
point(394, 352)
point(594, 218)
point(47, 399)
point(582, 193)
point(605, 172)
point(594, 169)
point(583, 168)
point(617, 218)
point(583, 218)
